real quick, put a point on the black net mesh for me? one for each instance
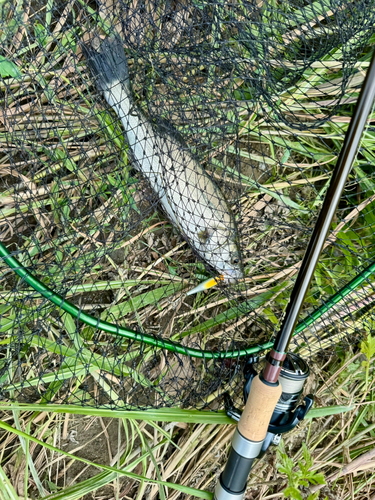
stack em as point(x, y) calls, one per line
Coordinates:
point(249, 103)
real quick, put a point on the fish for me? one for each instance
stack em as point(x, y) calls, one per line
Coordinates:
point(192, 201)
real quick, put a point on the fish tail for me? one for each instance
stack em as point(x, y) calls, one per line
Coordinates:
point(109, 65)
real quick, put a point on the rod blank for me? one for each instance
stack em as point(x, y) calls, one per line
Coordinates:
point(330, 204)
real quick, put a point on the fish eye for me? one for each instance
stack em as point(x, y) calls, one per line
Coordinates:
point(235, 261)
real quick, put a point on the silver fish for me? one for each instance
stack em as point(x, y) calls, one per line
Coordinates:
point(192, 201)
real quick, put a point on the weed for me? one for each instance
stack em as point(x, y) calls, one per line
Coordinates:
point(368, 349)
point(298, 477)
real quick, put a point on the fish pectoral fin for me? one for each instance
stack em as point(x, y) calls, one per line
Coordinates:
point(205, 234)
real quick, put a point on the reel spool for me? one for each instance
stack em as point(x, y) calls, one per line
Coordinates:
point(287, 414)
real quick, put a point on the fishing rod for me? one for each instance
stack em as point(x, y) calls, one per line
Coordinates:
point(271, 396)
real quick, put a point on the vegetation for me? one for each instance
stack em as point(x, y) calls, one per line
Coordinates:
point(80, 452)
point(77, 215)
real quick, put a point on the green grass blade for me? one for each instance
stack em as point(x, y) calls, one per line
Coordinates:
point(161, 415)
point(184, 489)
point(7, 492)
point(327, 411)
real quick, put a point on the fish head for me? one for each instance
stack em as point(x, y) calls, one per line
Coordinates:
point(219, 247)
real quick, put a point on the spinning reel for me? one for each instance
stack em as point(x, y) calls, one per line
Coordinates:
point(287, 414)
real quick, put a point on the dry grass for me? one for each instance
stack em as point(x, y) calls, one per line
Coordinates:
point(193, 455)
point(69, 209)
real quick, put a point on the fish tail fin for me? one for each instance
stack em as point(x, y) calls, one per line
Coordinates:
point(107, 62)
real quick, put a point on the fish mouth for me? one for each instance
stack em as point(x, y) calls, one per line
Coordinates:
point(231, 275)
point(227, 276)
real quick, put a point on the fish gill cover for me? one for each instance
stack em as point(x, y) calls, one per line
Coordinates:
point(224, 132)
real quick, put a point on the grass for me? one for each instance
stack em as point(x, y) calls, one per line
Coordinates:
point(190, 454)
point(75, 212)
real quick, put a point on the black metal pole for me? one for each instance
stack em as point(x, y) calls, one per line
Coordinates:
point(265, 389)
point(331, 201)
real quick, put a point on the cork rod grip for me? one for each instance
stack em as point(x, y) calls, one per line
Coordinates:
point(258, 411)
